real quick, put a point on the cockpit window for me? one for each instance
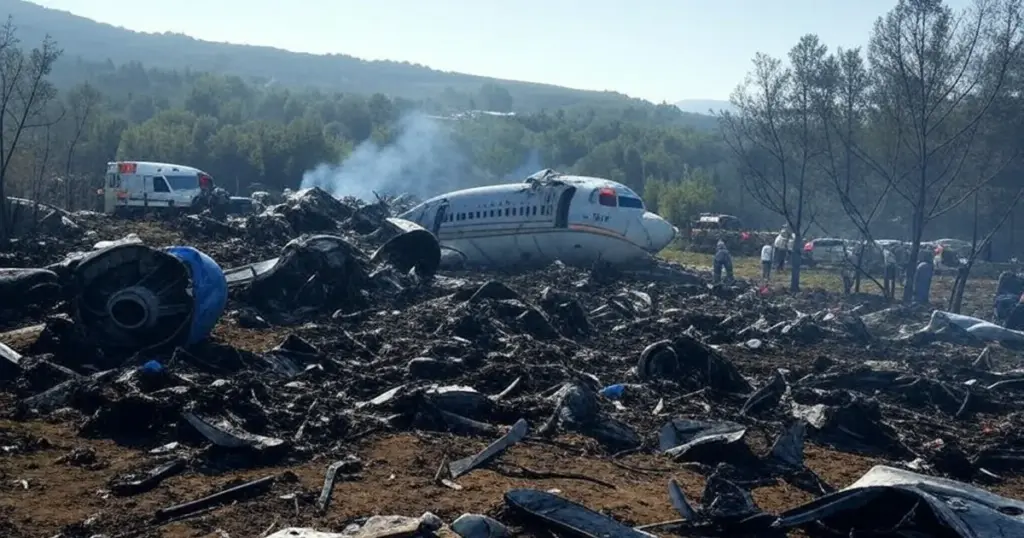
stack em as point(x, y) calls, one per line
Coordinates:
point(606, 197)
point(629, 201)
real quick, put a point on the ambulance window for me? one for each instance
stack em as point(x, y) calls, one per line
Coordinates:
point(160, 184)
point(183, 183)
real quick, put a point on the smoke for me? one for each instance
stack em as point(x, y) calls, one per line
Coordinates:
point(532, 165)
point(424, 160)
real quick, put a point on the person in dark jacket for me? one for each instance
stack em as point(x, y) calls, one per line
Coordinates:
point(891, 270)
point(1008, 292)
point(722, 260)
point(923, 280)
point(1015, 320)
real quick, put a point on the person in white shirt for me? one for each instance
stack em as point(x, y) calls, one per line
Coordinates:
point(767, 254)
point(889, 284)
point(781, 243)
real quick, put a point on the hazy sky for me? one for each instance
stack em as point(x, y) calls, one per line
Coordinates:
point(654, 49)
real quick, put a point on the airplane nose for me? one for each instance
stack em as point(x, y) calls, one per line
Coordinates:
point(659, 231)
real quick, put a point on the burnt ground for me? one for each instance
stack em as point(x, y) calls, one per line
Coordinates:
point(56, 466)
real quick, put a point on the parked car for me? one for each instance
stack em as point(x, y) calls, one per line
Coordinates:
point(714, 221)
point(825, 251)
point(833, 251)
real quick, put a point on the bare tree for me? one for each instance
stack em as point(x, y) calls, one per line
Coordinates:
point(842, 100)
point(775, 136)
point(956, 296)
point(24, 96)
point(82, 102)
point(936, 75)
point(41, 146)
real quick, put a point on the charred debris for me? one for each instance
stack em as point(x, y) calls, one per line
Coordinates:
point(376, 338)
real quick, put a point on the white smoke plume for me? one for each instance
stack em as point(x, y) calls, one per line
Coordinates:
point(423, 160)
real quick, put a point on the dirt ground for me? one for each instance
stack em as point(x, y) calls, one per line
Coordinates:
point(43, 496)
point(398, 478)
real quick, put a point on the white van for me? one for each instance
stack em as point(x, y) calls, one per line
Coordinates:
point(138, 184)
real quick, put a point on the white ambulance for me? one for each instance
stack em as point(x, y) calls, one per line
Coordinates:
point(134, 185)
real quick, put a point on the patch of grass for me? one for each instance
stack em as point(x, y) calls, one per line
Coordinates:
point(977, 297)
point(749, 267)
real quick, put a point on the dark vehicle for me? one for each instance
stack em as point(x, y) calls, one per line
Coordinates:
point(712, 221)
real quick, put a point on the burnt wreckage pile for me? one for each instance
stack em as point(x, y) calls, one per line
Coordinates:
point(375, 340)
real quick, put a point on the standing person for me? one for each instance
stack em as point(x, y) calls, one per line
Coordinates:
point(791, 251)
point(781, 242)
point(923, 280)
point(889, 285)
point(722, 260)
point(847, 273)
point(767, 255)
point(1009, 289)
point(1015, 320)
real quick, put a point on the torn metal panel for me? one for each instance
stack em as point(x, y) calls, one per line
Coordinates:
point(893, 500)
point(224, 434)
point(515, 434)
point(680, 437)
point(565, 516)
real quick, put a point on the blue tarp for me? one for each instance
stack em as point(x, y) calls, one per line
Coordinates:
point(209, 289)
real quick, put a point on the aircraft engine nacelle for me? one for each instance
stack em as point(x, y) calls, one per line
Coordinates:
point(410, 246)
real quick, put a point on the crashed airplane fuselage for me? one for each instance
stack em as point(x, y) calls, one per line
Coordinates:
point(550, 216)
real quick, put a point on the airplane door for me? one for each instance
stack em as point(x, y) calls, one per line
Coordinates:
point(562, 211)
point(442, 212)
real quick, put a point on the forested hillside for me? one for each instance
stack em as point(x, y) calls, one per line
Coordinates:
point(87, 43)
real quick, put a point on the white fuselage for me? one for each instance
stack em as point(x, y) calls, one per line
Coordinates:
point(578, 220)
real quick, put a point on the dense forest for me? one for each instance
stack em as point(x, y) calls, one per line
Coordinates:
point(877, 143)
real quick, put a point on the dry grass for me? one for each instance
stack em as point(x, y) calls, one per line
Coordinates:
point(749, 267)
point(977, 297)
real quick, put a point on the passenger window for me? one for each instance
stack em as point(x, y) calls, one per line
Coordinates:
point(492, 214)
point(535, 211)
point(506, 211)
point(160, 184)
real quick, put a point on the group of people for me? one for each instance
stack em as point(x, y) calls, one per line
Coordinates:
point(775, 255)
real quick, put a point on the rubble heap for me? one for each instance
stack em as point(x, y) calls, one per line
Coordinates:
point(325, 354)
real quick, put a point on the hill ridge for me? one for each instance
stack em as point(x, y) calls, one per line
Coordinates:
point(95, 41)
